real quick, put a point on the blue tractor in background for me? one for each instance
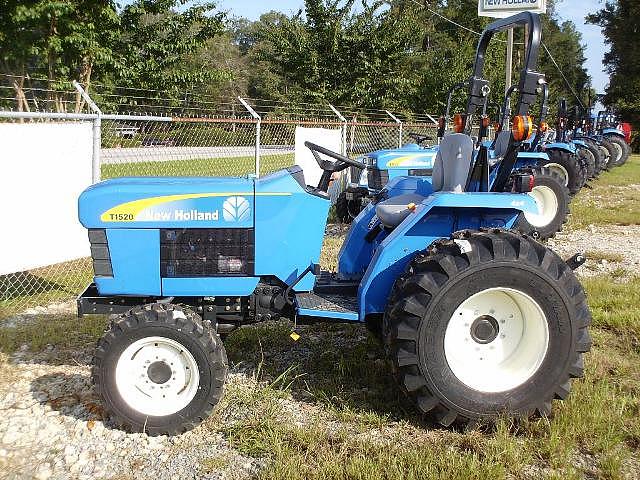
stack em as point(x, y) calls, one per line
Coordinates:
point(477, 320)
point(608, 126)
point(413, 159)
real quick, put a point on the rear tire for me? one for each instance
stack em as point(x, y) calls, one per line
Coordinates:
point(552, 198)
point(622, 149)
point(159, 369)
point(611, 152)
point(439, 341)
point(567, 167)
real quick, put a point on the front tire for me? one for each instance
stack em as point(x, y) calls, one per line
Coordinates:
point(552, 198)
point(159, 369)
point(505, 291)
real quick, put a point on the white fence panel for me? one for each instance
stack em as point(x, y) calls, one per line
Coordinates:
point(43, 169)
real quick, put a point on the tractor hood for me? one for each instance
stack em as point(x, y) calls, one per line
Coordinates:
point(409, 156)
point(168, 202)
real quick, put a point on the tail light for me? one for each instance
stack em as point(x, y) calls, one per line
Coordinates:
point(458, 123)
point(522, 127)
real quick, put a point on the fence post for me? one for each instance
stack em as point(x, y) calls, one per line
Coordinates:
point(258, 120)
point(97, 133)
point(343, 147)
point(397, 120)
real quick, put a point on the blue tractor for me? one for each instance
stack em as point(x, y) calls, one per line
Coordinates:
point(608, 126)
point(413, 159)
point(478, 321)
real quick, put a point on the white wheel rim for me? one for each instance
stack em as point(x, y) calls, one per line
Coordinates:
point(513, 356)
point(547, 203)
point(560, 170)
point(157, 376)
point(619, 151)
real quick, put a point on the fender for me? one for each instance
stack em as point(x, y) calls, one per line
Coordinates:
point(436, 217)
point(613, 131)
point(566, 147)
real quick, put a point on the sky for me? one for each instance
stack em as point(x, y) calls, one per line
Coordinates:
point(574, 10)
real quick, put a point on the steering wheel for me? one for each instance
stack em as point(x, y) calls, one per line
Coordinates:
point(341, 163)
point(419, 138)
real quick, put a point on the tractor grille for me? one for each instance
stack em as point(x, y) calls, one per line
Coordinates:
point(207, 252)
point(376, 178)
point(100, 253)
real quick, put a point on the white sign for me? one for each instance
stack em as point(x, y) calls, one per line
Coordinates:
point(506, 8)
point(325, 137)
point(43, 169)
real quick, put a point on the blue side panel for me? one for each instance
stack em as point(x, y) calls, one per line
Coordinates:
point(356, 253)
point(288, 229)
point(209, 286)
point(135, 259)
point(353, 316)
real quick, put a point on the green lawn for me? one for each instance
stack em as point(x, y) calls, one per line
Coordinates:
point(614, 199)
point(232, 166)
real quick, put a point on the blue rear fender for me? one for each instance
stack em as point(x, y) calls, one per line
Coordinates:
point(566, 147)
point(436, 217)
point(612, 131)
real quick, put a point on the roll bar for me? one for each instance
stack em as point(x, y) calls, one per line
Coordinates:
point(529, 77)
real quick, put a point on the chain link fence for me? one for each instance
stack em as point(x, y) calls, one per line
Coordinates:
point(150, 133)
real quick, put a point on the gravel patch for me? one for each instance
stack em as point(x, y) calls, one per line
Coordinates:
point(611, 250)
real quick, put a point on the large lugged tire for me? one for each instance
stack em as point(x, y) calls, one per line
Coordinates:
point(600, 161)
point(485, 324)
point(610, 151)
point(622, 149)
point(567, 166)
point(552, 198)
point(342, 208)
point(159, 369)
point(587, 157)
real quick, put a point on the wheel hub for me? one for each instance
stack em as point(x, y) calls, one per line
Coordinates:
point(159, 372)
point(484, 329)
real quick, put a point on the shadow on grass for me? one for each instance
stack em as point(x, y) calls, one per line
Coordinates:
point(340, 366)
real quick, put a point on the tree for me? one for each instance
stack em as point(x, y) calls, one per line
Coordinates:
point(159, 43)
point(622, 62)
point(60, 39)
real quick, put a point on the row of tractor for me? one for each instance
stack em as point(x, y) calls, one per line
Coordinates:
point(477, 319)
point(559, 161)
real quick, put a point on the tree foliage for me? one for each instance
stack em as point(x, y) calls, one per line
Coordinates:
point(621, 29)
point(368, 54)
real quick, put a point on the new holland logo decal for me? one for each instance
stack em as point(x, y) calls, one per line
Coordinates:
point(190, 207)
point(236, 209)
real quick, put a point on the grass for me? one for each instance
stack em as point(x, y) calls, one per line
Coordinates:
point(614, 199)
point(358, 427)
point(227, 167)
